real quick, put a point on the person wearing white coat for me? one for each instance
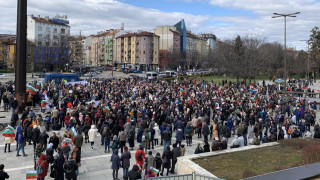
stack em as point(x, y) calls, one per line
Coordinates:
point(156, 134)
point(92, 135)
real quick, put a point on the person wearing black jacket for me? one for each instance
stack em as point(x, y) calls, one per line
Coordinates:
point(57, 170)
point(134, 174)
point(152, 132)
point(61, 115)
point(43, 139)
point(205, 131)
point(225, 131)
point(206, 147)
point(54, 140)
point(166, 160)
point(175, 155)
point(35, 133)
point(14, 118)
point(295, 133)
point(3, 174)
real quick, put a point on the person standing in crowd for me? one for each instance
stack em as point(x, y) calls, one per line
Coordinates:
point(115, 164)
point(37, 152)
point(42, 162)
point(166, 138)
point(76, 156)
point(125, 162)
point(157, 134)
point(43, 139)
point(158, 161)
point(78, 141)
point(21, 144)
point(175, 155)
point(149, 162)
point(3, 175)
point(166, 160)
point(92, 135)
point(115, 143)
point(131, 136)
point(188, 134)
point(57, 168)
point(54, 140)
point(70, 168)
point(134, 173)
point(122, 138)
point(140, 156)
point(35, 134)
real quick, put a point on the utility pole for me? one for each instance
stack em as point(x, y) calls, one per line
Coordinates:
point(21, 54)
point(285, 43)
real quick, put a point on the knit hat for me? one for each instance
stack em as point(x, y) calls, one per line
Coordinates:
point(125, 148)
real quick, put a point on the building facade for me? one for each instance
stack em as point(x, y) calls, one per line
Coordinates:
point(50, 35)
point(75, 50)
point(138, 51)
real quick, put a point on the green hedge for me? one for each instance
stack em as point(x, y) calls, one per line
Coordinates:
point(6, 71)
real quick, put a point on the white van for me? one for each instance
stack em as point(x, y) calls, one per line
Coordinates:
point(151, 75)
point(171, 74)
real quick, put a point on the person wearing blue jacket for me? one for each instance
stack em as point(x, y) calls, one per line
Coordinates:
point(162, 129)
point(139, 135)
point(115, 164)
point(21, 143)
point(17, 134)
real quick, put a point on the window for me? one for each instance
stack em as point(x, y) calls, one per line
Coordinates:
point(47, 43)
point(48, 29)
point(63, 31)
point(68, 32)
point(55, 37)
point(39, 36)
point(144, 46)
point(39, 43)
point(55, 30)
point(144, 52)
point(39, 28)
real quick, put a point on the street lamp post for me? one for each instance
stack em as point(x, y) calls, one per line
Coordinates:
point(285, 43)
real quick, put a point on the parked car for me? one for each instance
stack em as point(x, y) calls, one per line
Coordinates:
point(2, 75)
point(90, 74)
point(134, 77)
point(137, 71)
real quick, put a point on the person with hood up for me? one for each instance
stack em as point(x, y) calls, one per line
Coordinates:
point(115, 164)
point(18, 129)
point(149, 162)
point(21, 143)
point(92, 133)
point(125, 162)
point(115, 143)
point(44, 165)
point(157, 134)
point(134, 174)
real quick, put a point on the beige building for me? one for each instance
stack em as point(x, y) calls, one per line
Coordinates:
point(169, 38)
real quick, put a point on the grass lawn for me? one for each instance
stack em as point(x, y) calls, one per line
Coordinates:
point(257, 161)
point(218, 79)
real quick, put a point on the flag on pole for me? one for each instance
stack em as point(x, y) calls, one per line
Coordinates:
point(149, 136)
point(73, 133)
point(255, 97)
point(182, 91)
point(31, 175)
point(31, 89)
point(44, 103)
point(154, 171)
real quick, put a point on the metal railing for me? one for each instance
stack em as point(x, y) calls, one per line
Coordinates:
point(192, 176)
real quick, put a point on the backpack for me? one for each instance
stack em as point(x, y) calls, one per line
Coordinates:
point(131, 134)
point(139, 158)
point(39, 168)
point(69, 167)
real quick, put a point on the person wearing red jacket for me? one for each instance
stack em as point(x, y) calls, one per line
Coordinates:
point(140, 156)
point(67, 119)
point(44, 165)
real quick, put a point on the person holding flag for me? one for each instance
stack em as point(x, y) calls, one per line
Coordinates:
point(8, 138)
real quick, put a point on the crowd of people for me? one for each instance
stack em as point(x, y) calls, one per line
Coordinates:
point(129, 113)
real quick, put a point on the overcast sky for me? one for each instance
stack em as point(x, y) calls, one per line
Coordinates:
point(224, 18)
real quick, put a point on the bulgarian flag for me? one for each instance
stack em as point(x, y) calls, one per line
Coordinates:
point(183, 92)
point(154, 171)
point(44, 103)
point(317, 91)
point(39, 85)
point(73, 133)
point(8, 133)
point(31, 175)
point(289, 88)
point(31, 89)
point(68, 140)
point(255, 97)
point(149, 135)
point(106, 109)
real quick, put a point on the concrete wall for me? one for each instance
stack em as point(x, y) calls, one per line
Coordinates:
point(185, 165)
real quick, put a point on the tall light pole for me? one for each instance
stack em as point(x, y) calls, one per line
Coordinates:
point(285, 43)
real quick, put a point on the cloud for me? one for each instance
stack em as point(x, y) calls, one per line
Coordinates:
point(91, 16)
